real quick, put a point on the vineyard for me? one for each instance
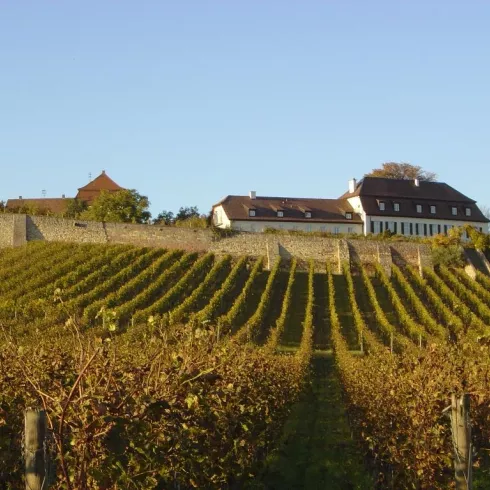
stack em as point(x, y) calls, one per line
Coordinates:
point(168, 369)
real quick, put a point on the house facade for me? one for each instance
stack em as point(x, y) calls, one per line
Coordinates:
point(372, 205)
point(253, 213)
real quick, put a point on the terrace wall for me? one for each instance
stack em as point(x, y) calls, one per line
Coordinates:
point(17, 229)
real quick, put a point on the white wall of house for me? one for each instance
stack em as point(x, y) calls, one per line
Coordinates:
point(356, 204)
point(220, 219)
point(395, 225)
point(259, 226)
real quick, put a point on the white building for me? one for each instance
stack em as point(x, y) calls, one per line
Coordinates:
point(372, 205)
point(412, 207)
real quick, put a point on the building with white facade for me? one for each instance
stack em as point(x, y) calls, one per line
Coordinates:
point(372, 205)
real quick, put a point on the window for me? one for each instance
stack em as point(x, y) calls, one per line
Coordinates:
point(454, 211)
point(416, 228)
point(468, 211)
point(251, 212)
point(419, 208)
point(280, 214)
point(396, 206)
point(308, 228)
point(323, 228)
point(381, 206)
point(432, 210)
point(348, 215)
point(307, 214)
point(350, 229)
point(336, 230)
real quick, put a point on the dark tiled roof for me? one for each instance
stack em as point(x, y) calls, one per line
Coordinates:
point(380, 187)
point(101, 183)
point(322, 210)
point(408, 209)
point(371, 190)
point(53, 205)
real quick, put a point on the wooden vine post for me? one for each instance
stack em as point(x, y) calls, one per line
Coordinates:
point(461, 431)
point(35, 435)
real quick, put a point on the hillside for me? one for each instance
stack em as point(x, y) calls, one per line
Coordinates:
point(165, 367)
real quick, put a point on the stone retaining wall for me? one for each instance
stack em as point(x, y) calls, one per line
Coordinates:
point(16, 230)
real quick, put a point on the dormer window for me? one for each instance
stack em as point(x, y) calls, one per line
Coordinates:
point(348, 215)
point(419, 208)
point(381, 205)
point(307, 214)
point(251, 212)
point(280, 214)
point(454, 211)
point(468, 211)
point(396, 206)
point(433, 210)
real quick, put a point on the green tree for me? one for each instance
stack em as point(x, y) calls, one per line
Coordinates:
point(186, 213)
point(75, 208)
point(406, 171)
point(124, 206)
point(164, 218)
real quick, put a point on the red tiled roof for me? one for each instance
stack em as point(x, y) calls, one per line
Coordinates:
point(322, 210)
point(53, 205)
point(101, 183)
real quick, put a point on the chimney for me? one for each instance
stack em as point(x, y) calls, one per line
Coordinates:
point(416, 182)
point(253, 195)
point(352, 185)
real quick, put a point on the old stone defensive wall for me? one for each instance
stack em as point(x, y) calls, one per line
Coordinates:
point(18, 229)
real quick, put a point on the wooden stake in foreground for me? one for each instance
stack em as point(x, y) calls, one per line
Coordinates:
point(461, 432)
point(35, 434)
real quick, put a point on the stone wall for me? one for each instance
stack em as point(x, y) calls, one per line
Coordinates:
point(192, 239)
point(6, 230)
point(412, 254)
point(371, 252)
point(20, 230)
point(16, 230)
point(64, 230)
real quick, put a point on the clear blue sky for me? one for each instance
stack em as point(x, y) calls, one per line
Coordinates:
point(187, 101)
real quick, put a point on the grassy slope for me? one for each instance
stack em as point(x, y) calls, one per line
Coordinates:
point(345, 313)
point(291, 337)
point(316, 450)
point(275, 307)
point(257, 290)
point(321, 334)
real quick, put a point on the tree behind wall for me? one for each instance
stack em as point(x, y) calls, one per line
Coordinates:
point(124, 206)
point(75, 208)
point(406, 171)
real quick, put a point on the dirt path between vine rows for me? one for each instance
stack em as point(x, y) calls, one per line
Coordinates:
point(316, 450)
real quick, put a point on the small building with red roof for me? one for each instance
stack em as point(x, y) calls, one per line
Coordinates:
point(92, 190)
point(59, 206)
